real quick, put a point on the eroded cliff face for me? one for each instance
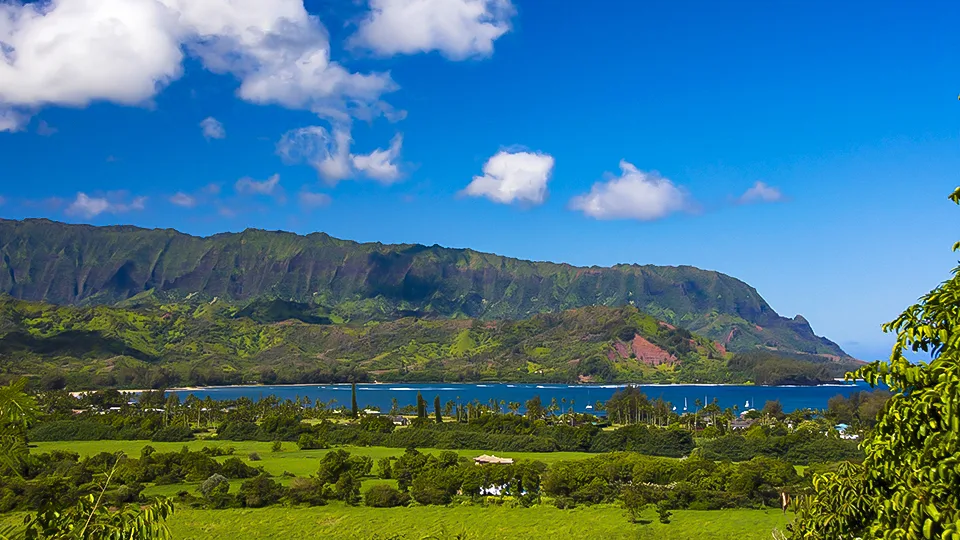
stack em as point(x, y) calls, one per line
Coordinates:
point(82, 264)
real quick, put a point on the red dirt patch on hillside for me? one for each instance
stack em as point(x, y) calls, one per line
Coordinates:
point(730, 334)
point(650, 354)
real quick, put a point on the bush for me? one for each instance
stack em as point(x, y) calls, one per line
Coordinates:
point(385, 468)
point(384, 496)
point(234, 468)
point(254, 456)
point(173, 434)
point(216, 484)
point(72, 430)
point(306, 491)
point(663, 512)
point(308, 441)
point(260, 491)
point(277, 446)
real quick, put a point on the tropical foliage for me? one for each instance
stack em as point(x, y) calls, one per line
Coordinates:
point(908, 486)
point(58, 517)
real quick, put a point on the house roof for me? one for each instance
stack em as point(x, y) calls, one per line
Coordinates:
point(493, 459)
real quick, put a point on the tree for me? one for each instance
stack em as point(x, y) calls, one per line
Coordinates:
point(436, 409)
point(89, 518)
point(773, 409)
point(421, 407)
point(216, 483)
point(908, 485)
point(259, 491)
point(354, 410)
point(534, 407)
point(634, 501)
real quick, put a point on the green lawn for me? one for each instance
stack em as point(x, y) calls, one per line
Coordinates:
point(337, 521)
point(419, 522)
point(291, 459)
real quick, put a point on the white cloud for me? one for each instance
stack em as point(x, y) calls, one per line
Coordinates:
point(513, 177)
point(184, 200)
point(212, 128)
point(380, 165)
point(458, 29)
point(247, 185)
point(760, 192)
point(114, 203)
point(73, 52)
point(634, 194)
point(309, 200)
point(329, 153)
point(11, 120)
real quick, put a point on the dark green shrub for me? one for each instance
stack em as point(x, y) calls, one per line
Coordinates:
point(260, 491)
point(173, 434)
point(384, 496)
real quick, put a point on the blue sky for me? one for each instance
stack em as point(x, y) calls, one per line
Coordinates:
point(637, 132)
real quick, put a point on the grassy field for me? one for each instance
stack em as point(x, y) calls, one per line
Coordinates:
point(291, 459)
point(470, 522)
point(337, 521)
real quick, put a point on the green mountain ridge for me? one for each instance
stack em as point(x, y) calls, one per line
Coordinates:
point(169, 344)
point(67, 264)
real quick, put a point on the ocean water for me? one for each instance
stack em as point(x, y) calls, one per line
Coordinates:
point(381, 395)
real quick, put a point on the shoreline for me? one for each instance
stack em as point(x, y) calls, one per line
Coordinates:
point(835, 384)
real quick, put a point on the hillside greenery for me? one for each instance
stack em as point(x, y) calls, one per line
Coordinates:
point(274, 342)
point(327, 279)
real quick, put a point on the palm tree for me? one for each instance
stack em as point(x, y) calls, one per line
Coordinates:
point(696, 413)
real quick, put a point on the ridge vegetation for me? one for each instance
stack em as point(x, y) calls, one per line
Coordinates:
point(324, 279)
point(156, 345)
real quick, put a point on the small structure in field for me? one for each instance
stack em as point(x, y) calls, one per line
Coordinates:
point(485, 459)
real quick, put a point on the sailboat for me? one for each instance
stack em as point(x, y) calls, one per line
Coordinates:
point(746, 404)
point(684, 404)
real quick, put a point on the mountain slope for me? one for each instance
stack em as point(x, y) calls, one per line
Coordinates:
point(178, 343)
point(82, 264)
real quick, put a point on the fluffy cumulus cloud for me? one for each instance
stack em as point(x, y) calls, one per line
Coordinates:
point(760, 192)
point(212, 128)
point(72, 52)
point(634, 194)
point(510, 177)
point(184, 200)
point(380, 165)
point(86, 206)
point(458, 29)
point(329, 153)
point(249, 186)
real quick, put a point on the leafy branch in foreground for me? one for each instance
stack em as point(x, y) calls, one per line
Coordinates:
point(89, 519)
point(908, 487)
